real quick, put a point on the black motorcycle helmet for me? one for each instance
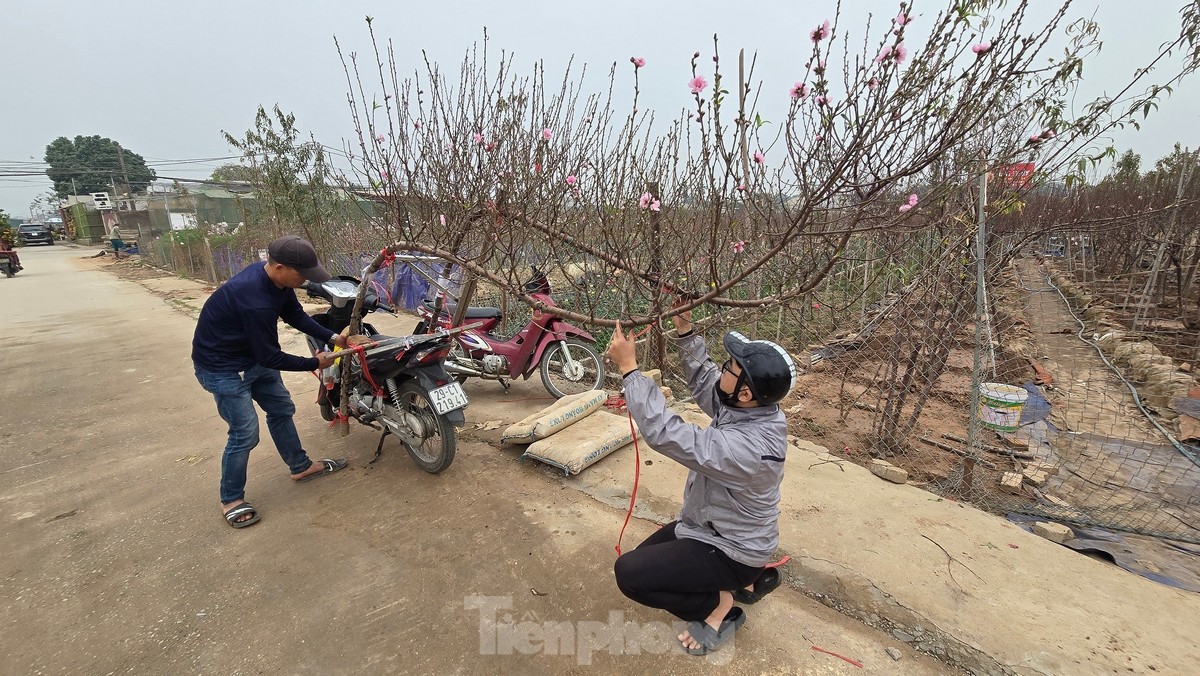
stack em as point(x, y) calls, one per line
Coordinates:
point(767, 369)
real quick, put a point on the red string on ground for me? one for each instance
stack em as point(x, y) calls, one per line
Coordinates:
point(840, 657)
point(780, 562)
point(615, 402)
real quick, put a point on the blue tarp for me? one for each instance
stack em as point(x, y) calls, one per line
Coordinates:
point(1037, 407)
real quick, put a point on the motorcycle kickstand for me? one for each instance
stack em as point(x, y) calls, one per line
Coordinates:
point(379, 447)
point(506, 383)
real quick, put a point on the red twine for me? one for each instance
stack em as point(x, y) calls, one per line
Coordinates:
point(637, 473)
point(840, 657)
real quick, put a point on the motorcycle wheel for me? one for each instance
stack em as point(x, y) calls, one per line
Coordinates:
point(555, 376)
point(436, 452)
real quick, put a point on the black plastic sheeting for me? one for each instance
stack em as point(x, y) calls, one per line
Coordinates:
point(1176, 564)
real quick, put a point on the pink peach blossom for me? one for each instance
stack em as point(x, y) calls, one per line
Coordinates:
point(739, 246)
point(820, 32)
point(644, 200)
point(656, 206)
point(571, 179)
point(442, 218)
point(478, 138)
point(546, 134)
point(902, 19)
point(537, 167)
point(905, 207)
point(873, 84)
point(759, 158)
point(982, 48)
point(912, 200)
point(799, 90)
point(697, 84)
point(901, 53)
point(637, 61)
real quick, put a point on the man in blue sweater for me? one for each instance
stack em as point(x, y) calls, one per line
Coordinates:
point(237, 358)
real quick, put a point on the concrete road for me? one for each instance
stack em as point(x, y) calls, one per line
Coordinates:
point(116, 558)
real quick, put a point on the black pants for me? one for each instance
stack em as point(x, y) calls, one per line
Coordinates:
point(680, 575)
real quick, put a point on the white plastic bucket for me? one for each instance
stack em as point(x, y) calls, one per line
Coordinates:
point(1000, 406)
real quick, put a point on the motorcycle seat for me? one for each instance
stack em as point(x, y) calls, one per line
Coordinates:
point(472, 312)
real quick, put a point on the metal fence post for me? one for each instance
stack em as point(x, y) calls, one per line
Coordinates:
point(980, 311)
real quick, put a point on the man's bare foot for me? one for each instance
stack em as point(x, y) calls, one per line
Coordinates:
point(227, 507)
point(714, 620)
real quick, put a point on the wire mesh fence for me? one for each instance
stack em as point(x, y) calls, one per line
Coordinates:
point(1087, 406)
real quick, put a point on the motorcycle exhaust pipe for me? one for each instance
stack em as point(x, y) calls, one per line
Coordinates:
point(455, 368)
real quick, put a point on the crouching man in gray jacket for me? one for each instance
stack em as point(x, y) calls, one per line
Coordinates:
point(728, 530)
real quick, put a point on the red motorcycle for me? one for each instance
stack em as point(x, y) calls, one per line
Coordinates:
point(565, 354)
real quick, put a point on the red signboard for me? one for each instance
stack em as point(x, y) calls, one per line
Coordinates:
point(1014, 176)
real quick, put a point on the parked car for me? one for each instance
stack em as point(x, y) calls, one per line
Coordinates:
point(31, 233)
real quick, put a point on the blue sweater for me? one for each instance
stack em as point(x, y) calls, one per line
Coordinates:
point(238, 326)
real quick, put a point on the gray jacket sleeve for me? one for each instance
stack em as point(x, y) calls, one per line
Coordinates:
point(724, 455)
point(702, 375)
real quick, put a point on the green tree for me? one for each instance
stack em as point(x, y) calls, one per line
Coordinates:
point(235, 172)
point(294, 186)
point(1127, 168)
point(94, 163)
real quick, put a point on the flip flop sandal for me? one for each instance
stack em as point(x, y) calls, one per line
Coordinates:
point(232, 515)
point(765, 584)
point(710, 639)
point(331, 466)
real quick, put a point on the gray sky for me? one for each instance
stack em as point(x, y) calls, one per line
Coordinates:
point(164, 78)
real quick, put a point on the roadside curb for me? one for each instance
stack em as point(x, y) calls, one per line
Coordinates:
point(855, 595)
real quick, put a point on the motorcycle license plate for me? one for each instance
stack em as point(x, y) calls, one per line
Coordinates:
point(448, 398)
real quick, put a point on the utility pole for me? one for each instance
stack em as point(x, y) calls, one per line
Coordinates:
point(124, 172)
point(116, 205)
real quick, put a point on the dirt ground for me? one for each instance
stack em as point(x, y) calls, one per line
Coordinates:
point(116, 558)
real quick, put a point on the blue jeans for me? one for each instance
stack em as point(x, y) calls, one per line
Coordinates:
point(235, 393)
